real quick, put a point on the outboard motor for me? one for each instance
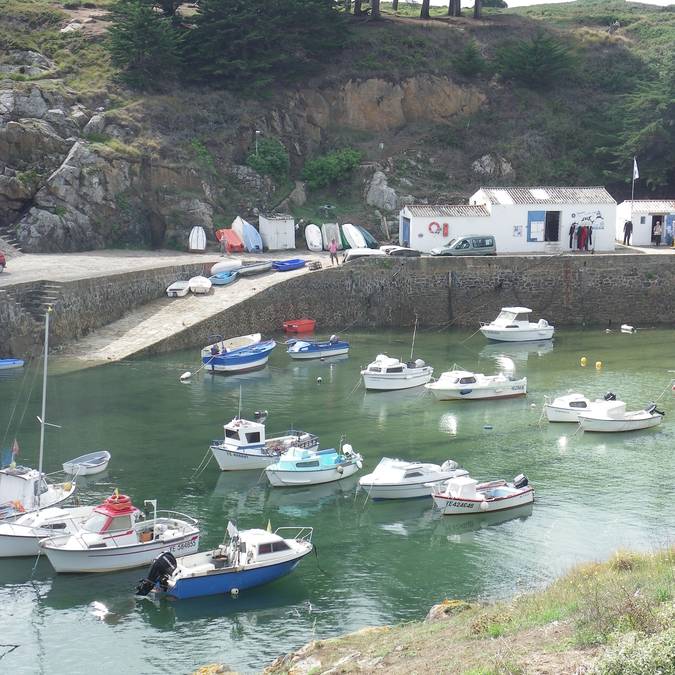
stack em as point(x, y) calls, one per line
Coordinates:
point(333, 339)
point(609, 396)
point(651, 409)
point(161, 569)
point(419, 363)
point(449, 465)
point(260, 415)
point(520, 481)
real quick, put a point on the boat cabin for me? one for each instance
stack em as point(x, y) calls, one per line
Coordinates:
point(459, 377)
point(242, 433)
point(116, 514)
point(462, 487)
point(21, 485)
point(385, 364)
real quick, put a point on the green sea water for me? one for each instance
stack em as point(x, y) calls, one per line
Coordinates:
point(377, 562)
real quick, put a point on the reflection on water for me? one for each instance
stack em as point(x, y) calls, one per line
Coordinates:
point(460, 528)
point(518, 352)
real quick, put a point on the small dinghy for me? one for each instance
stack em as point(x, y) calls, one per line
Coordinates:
point(463, 494)
point(197, 239)
point(8, 364)
point(353, 236)
point(513, 325)
point(462, 384)
point(117, 536)
point(88, 465)
point(178, 289)
point(330, 232)
point(245, 447)
point(387, 374)
point(250, 558)
point(223, 278)
point(200, 285)
point(232, 241)
point(614, 418)
point(300, 466)
point(288, 265)
point(249, 236)
point(568, 407)
point(303, 349)
point(299, 325)
point(313, 237)
point(355, 253)
point(255, 268)
point(399, 479)
point(238, 360)
point(226, 266)
point(219, 344)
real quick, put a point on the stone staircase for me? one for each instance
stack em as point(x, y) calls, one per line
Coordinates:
point(43, 295)
point(9, 244)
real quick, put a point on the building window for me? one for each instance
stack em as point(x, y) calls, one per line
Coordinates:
point(643, 220)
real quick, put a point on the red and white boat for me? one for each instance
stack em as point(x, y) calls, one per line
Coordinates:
point(463, 495)
point(299, 325)
point(118, 536)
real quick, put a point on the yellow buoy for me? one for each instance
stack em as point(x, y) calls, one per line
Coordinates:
point(598, 365)
point(583, 361)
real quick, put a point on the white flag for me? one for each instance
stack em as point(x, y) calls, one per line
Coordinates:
point(636, 173)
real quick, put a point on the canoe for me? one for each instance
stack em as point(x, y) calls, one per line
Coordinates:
point(313, 237)
point(232, 241)
point(299, 325)
point(200, 285)
point(223, 278)
point(371, 242)
point(178, 289)
point(88, 465)
point(197, 239)
point(255, 268)
point(353, 236)
point(288, 265)
point(248, 235)
point(226, 266)
point(7, 364)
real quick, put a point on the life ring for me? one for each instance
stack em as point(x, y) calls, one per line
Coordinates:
point(434, 227)
point(118, 502)
point(18, 506)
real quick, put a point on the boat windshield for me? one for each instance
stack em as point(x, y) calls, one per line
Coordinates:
point(507, 317)
point(96, 523)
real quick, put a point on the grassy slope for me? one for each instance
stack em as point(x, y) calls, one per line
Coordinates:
point(587, 617)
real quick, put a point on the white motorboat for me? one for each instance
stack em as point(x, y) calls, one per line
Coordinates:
point(317, 349)
point(462, 384)
point(245, 446)
point(117, 536)
point(568, 407)
point(222, 346)
point(88, 465)
point(300, 466)
point(466, 495)
point(399, 479)
point(354, 253)
point(387, 374)
point(21, 537)
point(614, 417)
point(513, 325)
point(178, 289)
point(231, 265)
point(24, 490)
point(200, 285)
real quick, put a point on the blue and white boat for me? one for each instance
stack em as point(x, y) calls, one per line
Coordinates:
point(8, 364)
point(244, 445)
point(250, 558)
point(223, 278)
point(313, 349)
point(239, 360)
point(300, 466)
point(288, 265)
point(248, 234)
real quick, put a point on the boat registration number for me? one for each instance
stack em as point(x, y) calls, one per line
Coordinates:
point(463, 505)
point(184, 545)
point(518, 387)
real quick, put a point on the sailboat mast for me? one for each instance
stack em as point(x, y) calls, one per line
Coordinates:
point(44, 400)
point(412, 348)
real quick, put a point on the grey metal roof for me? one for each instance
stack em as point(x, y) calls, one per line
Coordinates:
point(443, 210)
point(653, 205)
point(548, 195)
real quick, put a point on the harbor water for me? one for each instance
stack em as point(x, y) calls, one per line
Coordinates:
point(377, 563)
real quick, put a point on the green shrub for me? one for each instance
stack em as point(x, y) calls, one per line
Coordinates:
point(202, 154)
point(541, 62)
point(655, 654)
point(270, 159)
point(331, 168)
point(470, 62)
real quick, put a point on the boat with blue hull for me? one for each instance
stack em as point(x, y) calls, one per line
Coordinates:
point(301, 466)
point(9, 364)
point(239, 360)
point(223, 278)
point(310, 349)
point(250, 558)
point(288, 265)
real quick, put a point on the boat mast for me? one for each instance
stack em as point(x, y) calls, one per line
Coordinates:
point(412, 347)
point(44, 403)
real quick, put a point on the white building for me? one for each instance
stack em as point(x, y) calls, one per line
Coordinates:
point(277, 232)
point(522, 220)
point(645, 214)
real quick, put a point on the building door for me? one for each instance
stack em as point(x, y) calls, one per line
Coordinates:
point(656, 220)
point(669, 229)
point(552, 226)
point(405, 233)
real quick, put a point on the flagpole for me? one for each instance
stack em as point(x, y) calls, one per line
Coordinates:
point(632, 189)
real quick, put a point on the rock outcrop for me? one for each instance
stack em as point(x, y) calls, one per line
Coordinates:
point(493, 166)
point(380, 195)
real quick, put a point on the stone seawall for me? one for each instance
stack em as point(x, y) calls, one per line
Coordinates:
point(461, 292)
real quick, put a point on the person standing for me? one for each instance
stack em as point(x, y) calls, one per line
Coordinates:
point(657, 233)
point(627, 232)
point(332, 249)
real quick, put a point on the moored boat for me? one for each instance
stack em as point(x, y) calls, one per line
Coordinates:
point(462, 384)
point(88, 465)
point(250, 558)
point(220, 344)
point(386, 374)
point(305, 349)
point(463, 495)
point(200, 285)
point(300, 466)
point(299, 325)
point(513, 325)
point(238, 360)
point(244, 445)
point(400, 479)
point(8, 364)
point(117, 537)
point(568, 407)
point(178, 289)
point(615, 418)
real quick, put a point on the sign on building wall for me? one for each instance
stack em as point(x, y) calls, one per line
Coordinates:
point(592, 219)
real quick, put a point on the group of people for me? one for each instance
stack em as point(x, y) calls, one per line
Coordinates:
point(657, 231)
point(581, 236)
